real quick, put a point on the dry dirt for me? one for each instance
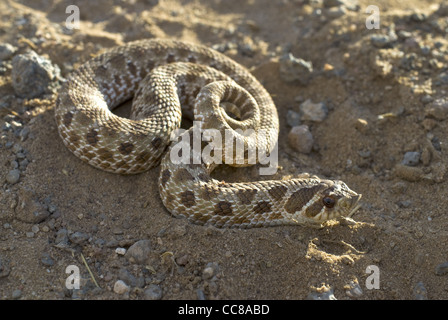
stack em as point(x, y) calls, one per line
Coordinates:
point(401, 227)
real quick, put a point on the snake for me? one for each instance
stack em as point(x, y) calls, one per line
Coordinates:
point(171, 80)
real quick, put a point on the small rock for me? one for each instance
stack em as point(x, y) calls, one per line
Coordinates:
point(426, 99)
point(352, 5)
point(404, 203)
point(79, 237)
point(310, 111)
point(301, 139)
point(207, 273)
point(442, 269)
point(408, 173)
point(120, 251)
point(420, 292)
point(16, 294)
point(200, 294)
point(353, 289)
point(139, 252)
point(13, 176)
point(130, 279)
point(61, 237)
point(24, 133)
point(182, 260)
point(418, 17)
point(293, 69)
point(411, 158)
point(336, 12)
point(324, 295)
point(120, 287)
point(438, 109)
point(33, 75)
point(153, 292)
point(4, 268)
point(47, 260)
point(292, 118)
point(381, 40)
point(210, 270)
point(6, 51)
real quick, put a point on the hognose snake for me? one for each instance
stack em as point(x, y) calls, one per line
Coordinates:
point(168, 79)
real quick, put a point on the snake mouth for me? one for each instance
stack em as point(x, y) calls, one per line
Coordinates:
point(356, 205)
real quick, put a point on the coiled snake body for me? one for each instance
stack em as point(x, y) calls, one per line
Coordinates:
point(168, 78)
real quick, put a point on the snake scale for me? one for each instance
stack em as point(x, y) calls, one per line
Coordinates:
point(168, 79)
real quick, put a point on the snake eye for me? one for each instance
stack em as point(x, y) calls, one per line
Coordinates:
point(328, 202)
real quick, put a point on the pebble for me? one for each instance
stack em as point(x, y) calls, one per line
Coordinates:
point(336, 12)
point(438, 109)
point(120, 287)
point(79, 237)
point(326, 295)
point(442, 269)
point(182, 260)
point(210, 270)
point(301, 139)
point(4, 268)
point(208, 273)
point(47, 260)
point(120, 251)
point(352, 5)
point(426, 99)
point(61, 237)
point(6, 51)
point(130, 279)
point(353, 289)
point(315, 112)
point(139, 251)
point(411, 158)
point(16, 294)
point(200, 294)
point(13, 176)
point(292, 118)
point(380, 40)
point(153, 292)
point(294, 69)
point(420, 292)
point(33, 75)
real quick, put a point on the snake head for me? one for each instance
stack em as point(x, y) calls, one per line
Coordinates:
point(334, 200)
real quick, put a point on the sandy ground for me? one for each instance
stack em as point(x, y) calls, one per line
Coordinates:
point(381, 100)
